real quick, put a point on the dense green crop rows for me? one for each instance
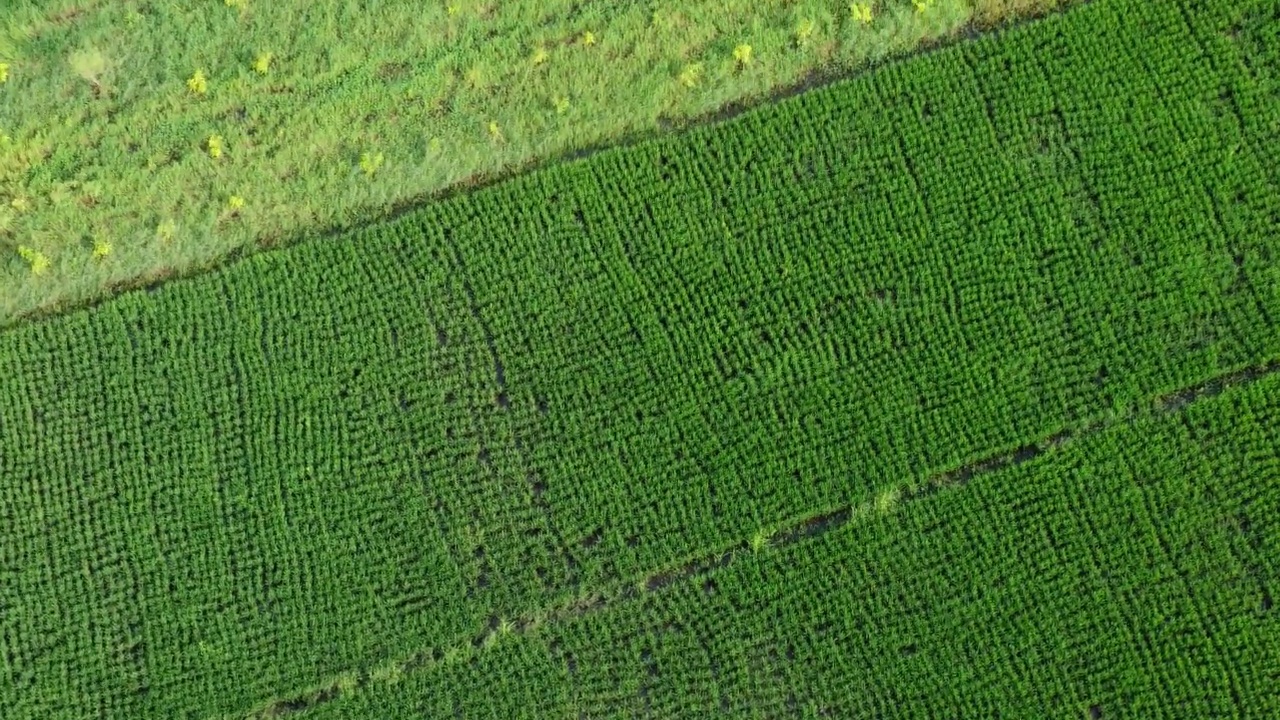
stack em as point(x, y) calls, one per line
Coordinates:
point(242, 486)
point(1131, 573)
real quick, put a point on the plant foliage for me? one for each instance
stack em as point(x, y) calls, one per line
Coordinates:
point(314, 461)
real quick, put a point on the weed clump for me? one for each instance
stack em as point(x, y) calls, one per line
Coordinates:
point(691, 74)
point(198, 84)
point(804, 31)
point(370, 162)
point(38, 261)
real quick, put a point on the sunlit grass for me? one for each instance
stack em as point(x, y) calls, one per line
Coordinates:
point(115, 141)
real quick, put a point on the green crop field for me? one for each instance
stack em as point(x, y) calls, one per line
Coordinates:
point(140, 139)
point(1130, 573)
point(559, 446)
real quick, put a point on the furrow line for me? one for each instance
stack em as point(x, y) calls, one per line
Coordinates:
point(785, 534)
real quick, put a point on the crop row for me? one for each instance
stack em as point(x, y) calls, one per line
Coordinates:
point(1131, 573)
point(238, 486)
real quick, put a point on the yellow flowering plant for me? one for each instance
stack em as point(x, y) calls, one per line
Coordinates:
point(804, 31)
point(370, 162)
point(38, 261)
point(691, 74)
point(166, 230)
point(197, 83)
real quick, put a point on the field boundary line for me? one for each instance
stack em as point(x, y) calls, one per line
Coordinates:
point(786, 533)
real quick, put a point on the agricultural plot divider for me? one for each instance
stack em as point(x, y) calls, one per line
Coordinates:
point(1025, 594)
point(530, 701)
point(242, 485)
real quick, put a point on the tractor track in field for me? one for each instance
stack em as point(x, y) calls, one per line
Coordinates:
point(786, 533)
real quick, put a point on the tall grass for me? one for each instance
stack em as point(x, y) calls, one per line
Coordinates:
point(109, 107)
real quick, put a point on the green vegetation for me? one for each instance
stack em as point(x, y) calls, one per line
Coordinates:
point(322, 468)
point(107, 107)
point(1131, 573)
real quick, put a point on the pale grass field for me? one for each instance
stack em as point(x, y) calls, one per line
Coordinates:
point(108, 174)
